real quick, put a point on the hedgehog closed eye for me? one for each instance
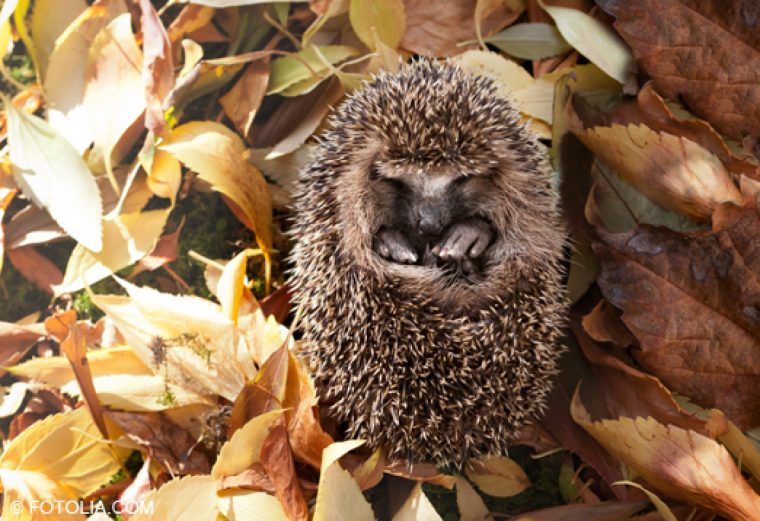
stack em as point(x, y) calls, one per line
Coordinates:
point(427, 264)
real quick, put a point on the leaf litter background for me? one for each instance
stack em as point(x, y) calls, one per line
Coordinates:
point(149, 154)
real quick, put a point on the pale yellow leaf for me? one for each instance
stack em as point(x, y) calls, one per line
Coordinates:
point(251, 506)
point(129, 392)
point(191, 498)
point(244, 448)
point(56, 370)
point(596, 41)
point(64, 81)
point(339, 497)
point(385, 17)
point(498, 476)
point(165, 175)
point(66, 448)
point(417, 508)
point(471, 506)
point(126, 239)
point(12, 398)
point(49, 20)
point(32, 496)
point(51, 173)
point(230, 286)
point(508, 75)
point(662, 508)
point(114, 94)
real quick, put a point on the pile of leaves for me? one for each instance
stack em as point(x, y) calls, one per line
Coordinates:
point(188, 396)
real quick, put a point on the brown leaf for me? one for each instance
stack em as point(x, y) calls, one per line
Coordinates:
point(6, 196)
point(36, 268)
point(434, 28)
point(681, 463)
point(277, 303)
point(603, 324)
point(627, 391)
point(242, 101)
point(158, 69)
point(422, 472)
point(706, 53)
point(266, 392)
point(192, 18)
point(164, 252)
point(277, 459)
point(498, 476)
point(607, 511)
point(165, 441)
point(42, 404)
point(692, 302)
point(252, 478)
point(74, 346)
point(670, 169)
point(16, 340)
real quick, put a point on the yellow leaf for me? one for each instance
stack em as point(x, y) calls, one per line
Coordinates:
point(126, 239)
point(339, 497)
point(508, 75)
point(56, 370)
point(192, 498)
point(216, 154)
point(32, 496)
point(386, 17)
point(64, 79)
point(471, 506)
point(49, 20)
point(165, 175)
point(662, 508)
point(498, 476)
point(594, 40)
point(417, 508)
point(251, 506)
point(66, 448)
point(683, 464)
point(114, 93)
point(51, 173)
point(244, 448)
point(230, 287)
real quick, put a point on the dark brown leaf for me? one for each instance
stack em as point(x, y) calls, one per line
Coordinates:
point(693, 303)
point(36, 268)
point(277, 459)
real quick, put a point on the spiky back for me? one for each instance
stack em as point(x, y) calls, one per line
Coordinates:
point(429, 384)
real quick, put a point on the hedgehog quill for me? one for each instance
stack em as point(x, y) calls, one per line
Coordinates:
point(427, 265)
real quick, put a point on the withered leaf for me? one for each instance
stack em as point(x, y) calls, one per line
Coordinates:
point(164, 440)
point(277, 459)
point(693, 303)
point(706, 53)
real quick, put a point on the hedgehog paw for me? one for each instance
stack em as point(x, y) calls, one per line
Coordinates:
point(468, 238)
point(393, 246)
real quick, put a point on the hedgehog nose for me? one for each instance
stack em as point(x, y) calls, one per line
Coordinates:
point(429, 220)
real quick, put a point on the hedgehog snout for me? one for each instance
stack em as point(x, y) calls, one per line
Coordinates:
point(430, 220)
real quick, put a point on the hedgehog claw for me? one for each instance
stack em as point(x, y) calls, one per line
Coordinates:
point(392, 245)
point(468, 238)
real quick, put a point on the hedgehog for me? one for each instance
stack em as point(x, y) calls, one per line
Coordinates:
point(427, 266)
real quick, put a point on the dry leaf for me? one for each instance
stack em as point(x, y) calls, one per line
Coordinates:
point(192, 498)
point(701, 344)
point(49, 19)
point(244, 447)
point(251, 506)
point(417, 507)
point(497, 476)
point(242, 101)
point(36, 268)
point(606, 511)
point(385, 17)
point(470, 504)
point(681, 463)
point(339, 497)
point(158, 68)
point(277, 459)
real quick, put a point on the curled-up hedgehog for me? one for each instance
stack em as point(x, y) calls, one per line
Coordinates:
point(427, 266)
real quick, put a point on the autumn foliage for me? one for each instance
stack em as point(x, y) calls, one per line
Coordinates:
point(189, 397)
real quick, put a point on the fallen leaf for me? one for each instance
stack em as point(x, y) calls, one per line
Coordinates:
point(66, 448)
point(24, 492)
point(126, 239)
point(435, 28)
point(422, 472)
point(192, 18)
point(669, 41)
point(51, 173)
point(660, 505)
point(470, 504)
point(339, 497)
point(385, 17)
point(605, 511)
point(301, 73)
point(167, 443)
point(681, 463)
point(417, 507)
point(596, 41)
point(16, 340)
point(49, 19)
point(242, 101)
point(158, 68)
point(497, 476)
point(136, 492)
point(603, 324)
point(12, 398)
point(673, 171)
point(244, 447)
point(36, 268)
point(707, 277)
point(216, 154)
point(530, 41)
point(192, 498)
point(277, 459)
